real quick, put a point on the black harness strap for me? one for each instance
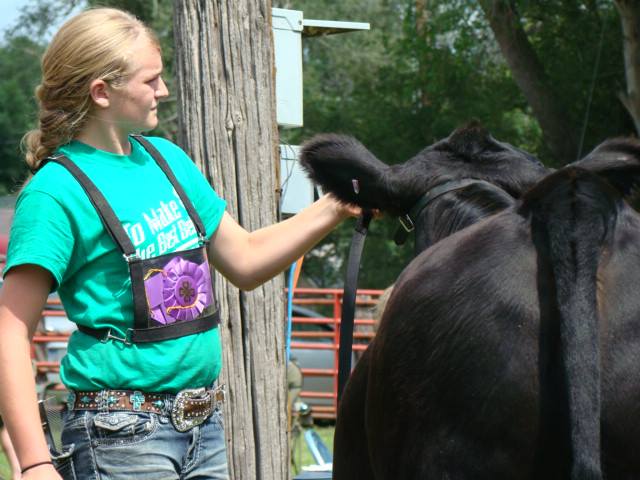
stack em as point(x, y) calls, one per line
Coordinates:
point(349, 300)
point(162, 163)
point(157, 334)
point(105, 212)
point(117, 233)
point(139, 295)
point(140, 333)
point(408, 221)
point(154, 334)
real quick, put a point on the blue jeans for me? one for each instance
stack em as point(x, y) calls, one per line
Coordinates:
point(141, 446)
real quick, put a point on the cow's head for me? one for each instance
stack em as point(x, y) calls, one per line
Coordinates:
point(344, 167)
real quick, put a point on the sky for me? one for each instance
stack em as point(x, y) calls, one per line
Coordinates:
point(9, 11)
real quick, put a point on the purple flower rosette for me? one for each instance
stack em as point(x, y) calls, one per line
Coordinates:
point(179, 292)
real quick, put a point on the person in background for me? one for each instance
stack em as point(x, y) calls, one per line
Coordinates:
point(125, 228)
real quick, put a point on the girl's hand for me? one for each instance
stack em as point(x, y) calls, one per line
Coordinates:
point(346, 210)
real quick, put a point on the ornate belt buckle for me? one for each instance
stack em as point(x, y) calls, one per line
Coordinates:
point(199, 402)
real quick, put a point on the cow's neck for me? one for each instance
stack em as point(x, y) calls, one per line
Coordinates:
point(458, 209)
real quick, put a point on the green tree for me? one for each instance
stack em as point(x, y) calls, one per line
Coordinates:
point(554, 52)
point(426, 67)
point(629, 11)
point(398, 88)
point(20, 53)
point(19, 64)
point(429, 66)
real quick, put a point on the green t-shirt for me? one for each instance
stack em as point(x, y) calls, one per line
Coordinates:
point(55, 226)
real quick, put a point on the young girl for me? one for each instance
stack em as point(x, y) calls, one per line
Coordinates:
point(125, 228)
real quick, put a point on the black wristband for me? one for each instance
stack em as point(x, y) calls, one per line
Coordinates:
point(48, 462)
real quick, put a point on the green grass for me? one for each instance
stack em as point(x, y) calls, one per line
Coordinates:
point(301, 454)
point(5, 471)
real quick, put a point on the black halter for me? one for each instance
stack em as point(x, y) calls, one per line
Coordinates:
point(408, 221)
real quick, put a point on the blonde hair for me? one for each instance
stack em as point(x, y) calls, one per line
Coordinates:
point(95, 44)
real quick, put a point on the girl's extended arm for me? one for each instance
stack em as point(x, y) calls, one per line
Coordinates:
point(250, 259)
point(22, 299)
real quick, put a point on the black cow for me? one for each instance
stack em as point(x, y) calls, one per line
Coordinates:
point(509, 349)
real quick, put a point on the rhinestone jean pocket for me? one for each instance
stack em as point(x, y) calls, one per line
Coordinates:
point(123, 428)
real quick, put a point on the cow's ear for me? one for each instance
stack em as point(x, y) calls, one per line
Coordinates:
point(618, 162)
point(344, 167)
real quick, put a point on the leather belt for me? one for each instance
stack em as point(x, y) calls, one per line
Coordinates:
point(187, 408)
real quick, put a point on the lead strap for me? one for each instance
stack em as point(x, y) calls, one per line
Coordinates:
point(349, 300)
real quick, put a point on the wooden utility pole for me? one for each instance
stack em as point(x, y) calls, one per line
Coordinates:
point(225, 84)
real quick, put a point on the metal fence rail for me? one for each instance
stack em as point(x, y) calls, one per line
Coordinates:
point(321, 298)
point(364, 332)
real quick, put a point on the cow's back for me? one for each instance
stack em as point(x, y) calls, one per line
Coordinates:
point(619, 307)
point(459, 381)
point(454, 361)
